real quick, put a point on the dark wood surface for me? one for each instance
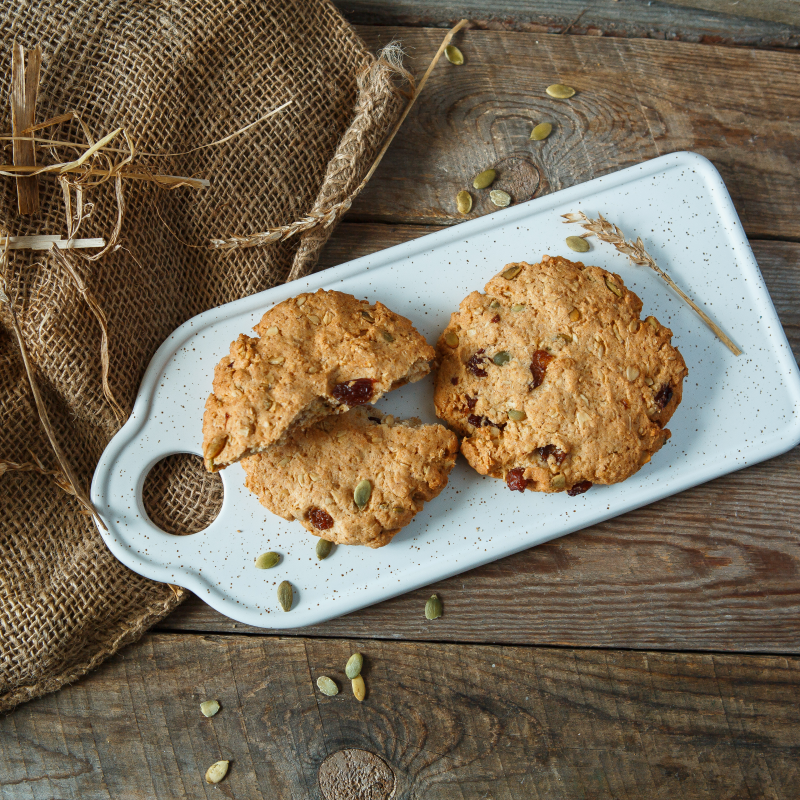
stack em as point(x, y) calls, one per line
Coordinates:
point(556, 673)
point(452, 721)
point(637, 99)
point(771, 23)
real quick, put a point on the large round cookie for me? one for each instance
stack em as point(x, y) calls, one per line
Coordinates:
point(554, 381)
point(313, 476)
point(317, 354)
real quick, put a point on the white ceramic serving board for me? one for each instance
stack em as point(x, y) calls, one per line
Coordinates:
point(735, 411)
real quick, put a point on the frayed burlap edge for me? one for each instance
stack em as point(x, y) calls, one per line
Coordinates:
point(377, 108)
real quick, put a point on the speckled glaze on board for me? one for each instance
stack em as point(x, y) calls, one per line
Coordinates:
point(735, 411)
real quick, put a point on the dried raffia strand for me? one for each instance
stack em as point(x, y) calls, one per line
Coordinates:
point(24, 88)
point(608, 232)
point(329, 216)
point(71, 479)
point(100, 316)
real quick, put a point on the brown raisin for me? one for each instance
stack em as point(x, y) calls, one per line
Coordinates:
point(454, 381)
point(375, 419)
point(475, 420)
point(579, 488)
point(551, 450)
point(476, 362)
point(516, 481)
point(320, 519)
point(496, 318)
point(539, 362)
point(471, 402)
point(663, 396)
point(354, 393)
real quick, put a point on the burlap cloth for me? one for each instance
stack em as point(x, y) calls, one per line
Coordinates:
point(176, 74)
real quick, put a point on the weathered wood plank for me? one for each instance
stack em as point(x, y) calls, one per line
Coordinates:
point(715, 568)
point(721, 23)
point(451, 721)
point(636, 99)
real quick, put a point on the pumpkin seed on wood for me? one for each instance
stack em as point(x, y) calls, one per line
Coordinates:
point(209, 708)
point(354, 664)
point(464, 202)
point(217, 771)
point(327, 686)
point(359, 689)
point(454, 55)
point(559, 91)
point(324, 548)
point(500, 198)
point(362, 493)
point(267, 560)
point(578, 244)
point(484, 179)
point(285, 595)
point(433, 608)
point(541, 131)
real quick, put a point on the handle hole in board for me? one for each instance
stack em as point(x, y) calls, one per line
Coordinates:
point(180, 497)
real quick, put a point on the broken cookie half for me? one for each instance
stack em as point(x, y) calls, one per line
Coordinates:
point(354, 478)
point(315, 355)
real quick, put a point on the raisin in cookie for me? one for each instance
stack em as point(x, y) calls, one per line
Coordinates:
point(317, 354)
point(554, 381)
point(354, 478)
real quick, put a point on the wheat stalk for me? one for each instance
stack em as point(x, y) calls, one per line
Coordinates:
point(608, 232)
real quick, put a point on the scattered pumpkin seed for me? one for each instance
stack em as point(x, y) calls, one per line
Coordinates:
point(271, 331)
point(500, 198)
point(512, 271)
point(558, 481)
point(327, 686)
point(518, 307)
point(209, 708)
point(632, 373)
point(300, 300)
point(578, 244)
point(267, 560)
point(541, 131)
point(433, 608)
point(559, 91)
point(574, 315)
point(649, 381)
point(565, 337)
point(484, 179)
point(644, 459)
point(354, 664)
point(633, 325)
point(652, 322)
point(387, 337)
point(359, 689)
point(217, 771)
point(285, 595)
point(314, 318)
point(503, 357)
point(368, 316)
point(451, 339)
point(324, 548)
point(464, 202)
point(494, 304)
point(362, 493)
point(454, 55)
point(517, 416)
point(614, 288)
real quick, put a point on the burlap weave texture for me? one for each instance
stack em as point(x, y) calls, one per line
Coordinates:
point(176, 74)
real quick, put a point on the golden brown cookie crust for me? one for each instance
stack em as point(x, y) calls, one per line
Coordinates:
point(317, 354)
point(317, 470)
point(609, 381)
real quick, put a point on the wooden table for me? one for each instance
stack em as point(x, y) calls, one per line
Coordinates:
point(654, 655)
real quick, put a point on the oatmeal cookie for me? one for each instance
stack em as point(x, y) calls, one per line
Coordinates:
point(553, 380)
point(354, 478)
point(317, 354)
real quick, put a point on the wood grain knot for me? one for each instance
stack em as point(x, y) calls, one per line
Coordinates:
point(518, 176)
point(356, 775)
